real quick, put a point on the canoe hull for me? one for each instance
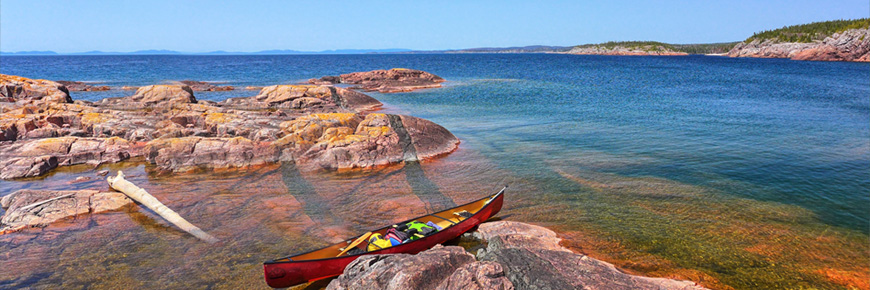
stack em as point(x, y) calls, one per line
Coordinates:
point(289, 273)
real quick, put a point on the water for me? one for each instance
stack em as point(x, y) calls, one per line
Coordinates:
point(745, 173)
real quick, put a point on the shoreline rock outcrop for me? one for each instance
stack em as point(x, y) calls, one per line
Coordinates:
point(38, 208)
point(849, 45)
point(199, 86)
point(15, 89)
point(513, 256)
point(385, 81)
point(74, 86)
point(41, 128)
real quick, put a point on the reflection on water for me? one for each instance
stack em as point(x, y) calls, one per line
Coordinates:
point(425, 189)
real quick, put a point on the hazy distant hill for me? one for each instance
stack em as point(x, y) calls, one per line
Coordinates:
point(218, 52)
point(46, 52)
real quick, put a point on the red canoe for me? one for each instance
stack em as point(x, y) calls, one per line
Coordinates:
point(324, 263)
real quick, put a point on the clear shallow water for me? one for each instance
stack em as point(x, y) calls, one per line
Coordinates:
point(745, 173)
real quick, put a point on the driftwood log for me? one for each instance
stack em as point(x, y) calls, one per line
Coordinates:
point(143, 197)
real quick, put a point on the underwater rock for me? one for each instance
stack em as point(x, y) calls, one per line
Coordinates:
point(38, 208)
point(533, 259)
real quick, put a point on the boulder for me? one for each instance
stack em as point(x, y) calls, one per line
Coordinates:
point(429, 139)
point(17, 167)
point(38, 208)
point(15, 89)
point(164, 94)
point(437, 268)
point(477, 276)
point(343, 140)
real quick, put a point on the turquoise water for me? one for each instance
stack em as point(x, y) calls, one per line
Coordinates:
point(711, 142)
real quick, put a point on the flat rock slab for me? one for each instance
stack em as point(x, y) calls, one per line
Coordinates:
point(533, 259)
point(38, 208)
point(385, 81)
point(517, 255)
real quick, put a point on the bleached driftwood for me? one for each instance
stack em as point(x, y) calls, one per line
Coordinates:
point(143, 197)
point(29, 206)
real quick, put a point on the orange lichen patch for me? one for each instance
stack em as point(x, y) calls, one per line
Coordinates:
point(849, 279)
point(345, 140)
point(375, 131)
point(310, 128)
point(219, 118)
point(343, 118)
point(333, 133)
point(94, 118)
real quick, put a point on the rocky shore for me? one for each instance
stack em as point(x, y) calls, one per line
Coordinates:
point(316, 126)
point(509, 255)
point(849, 45)
point(618, 49)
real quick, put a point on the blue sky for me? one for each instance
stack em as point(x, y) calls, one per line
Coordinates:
point(200, 26)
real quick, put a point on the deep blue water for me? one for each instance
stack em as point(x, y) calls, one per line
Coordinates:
point(768, 129)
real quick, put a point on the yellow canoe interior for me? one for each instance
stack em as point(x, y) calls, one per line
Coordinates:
point(443, 219)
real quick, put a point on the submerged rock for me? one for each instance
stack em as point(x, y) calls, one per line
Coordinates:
point(533, 259)
point(386, 81)
point(516, 255)
point(38, 208)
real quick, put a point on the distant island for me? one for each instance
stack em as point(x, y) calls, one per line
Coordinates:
point(838, 40)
